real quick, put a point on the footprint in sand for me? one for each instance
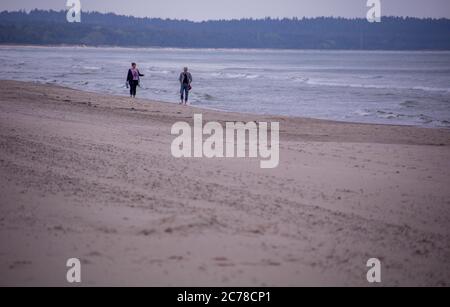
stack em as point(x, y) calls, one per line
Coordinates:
point(223, 262)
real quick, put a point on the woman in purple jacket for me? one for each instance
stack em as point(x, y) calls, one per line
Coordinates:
point(133, 79)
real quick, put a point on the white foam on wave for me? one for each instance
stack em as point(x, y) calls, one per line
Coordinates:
point(91, 67)
point(374, 86)
point(221, 75)
point(362, 113)
point(431, 89)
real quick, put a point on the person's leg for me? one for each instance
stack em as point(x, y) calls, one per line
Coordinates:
point(186, 96)
point(134, 88)
point(131, 88)
point(181, 94)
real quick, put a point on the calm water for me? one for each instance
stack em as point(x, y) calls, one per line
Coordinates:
point(374, 87)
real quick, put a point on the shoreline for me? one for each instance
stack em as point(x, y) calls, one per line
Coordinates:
point(91, 176)
point(206, 109)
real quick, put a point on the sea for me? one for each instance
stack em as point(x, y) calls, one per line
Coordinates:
point(387, 87)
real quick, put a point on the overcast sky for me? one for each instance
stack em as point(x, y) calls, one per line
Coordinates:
point(227, 9)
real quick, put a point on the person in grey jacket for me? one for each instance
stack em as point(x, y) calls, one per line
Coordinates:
point(185, 82)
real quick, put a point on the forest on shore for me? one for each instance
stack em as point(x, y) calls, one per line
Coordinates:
point(40, 27)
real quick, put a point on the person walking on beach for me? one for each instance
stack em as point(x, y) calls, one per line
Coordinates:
point(133, 79)
point(185, 82)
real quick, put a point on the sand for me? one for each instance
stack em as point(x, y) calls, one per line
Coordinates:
point(85, 176)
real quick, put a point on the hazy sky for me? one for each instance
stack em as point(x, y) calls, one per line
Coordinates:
point(226, 9)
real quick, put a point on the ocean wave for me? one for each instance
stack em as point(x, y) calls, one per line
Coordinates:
point(222, 75)
point(370, 77)
point(91, 67)
point(60, 76)
point(431, 89)
point(208, 97)
point(444, 123)
point(362, 113)
point(159, 70)
point(409, 104)
point(300, 79)
point(401, 117)
point(373, 86)
point(387, 115)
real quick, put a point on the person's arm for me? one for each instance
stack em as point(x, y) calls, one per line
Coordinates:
point(140, 75)
point(129, 76)
point(190, 78)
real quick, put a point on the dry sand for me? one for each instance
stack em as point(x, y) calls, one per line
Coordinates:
point(83, 175)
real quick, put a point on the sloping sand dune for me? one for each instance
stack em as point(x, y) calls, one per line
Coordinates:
point(84, 175)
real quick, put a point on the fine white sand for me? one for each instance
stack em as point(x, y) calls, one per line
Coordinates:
point(84, 175)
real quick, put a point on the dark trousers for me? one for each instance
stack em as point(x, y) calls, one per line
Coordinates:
point(133, 86)
point(184, 92)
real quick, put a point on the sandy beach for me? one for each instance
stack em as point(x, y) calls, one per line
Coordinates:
point(91, 176)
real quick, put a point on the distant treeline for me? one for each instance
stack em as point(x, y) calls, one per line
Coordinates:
point(96, 29)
